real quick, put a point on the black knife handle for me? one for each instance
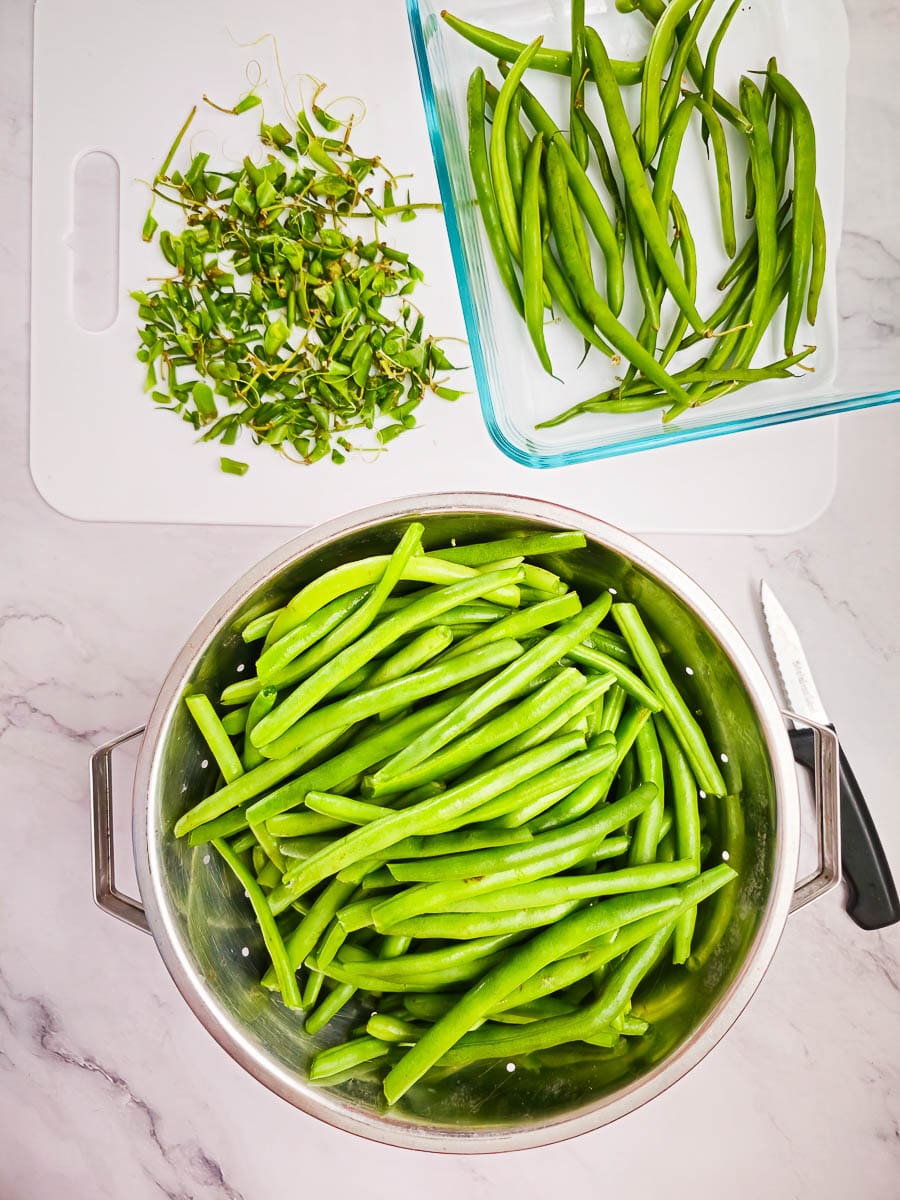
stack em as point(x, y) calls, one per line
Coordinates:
point(873, 901)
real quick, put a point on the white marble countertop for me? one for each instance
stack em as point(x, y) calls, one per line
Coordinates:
point(108, 1085)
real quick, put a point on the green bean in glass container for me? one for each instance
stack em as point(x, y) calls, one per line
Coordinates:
point(634, 233)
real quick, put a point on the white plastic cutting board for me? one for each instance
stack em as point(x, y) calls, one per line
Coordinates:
point(120, 78)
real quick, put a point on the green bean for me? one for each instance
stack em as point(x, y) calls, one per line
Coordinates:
point(358, 621)
point(586, 798)
point(287, 980)
point(577, 135)
point(689, 259)
point(466, 926)
point(218, 741)
point(581, 238)
point(636, 185)
point(300, 824)
point(308, 932)
point(532, 251)
point(723, 176)
point(707, 83)
point(259, 626)
point(607, 174)
point(557, 718)
point(360, 652)
point(588, 1024)
point(532, 799)
point(645, 284)
point(358, 757)
point(224, 826)
point(434, 981)
point(567, 970)
point(459, 841)
point(568, 304)
point(405, 690)
point(653, 10)
point(765, 217)
point(781, 145)
point(485, 870)
point(503, 731)
point(659, 51)
point(425, 817)
point(528, 545)
point(363, 572)
point(586, 656)
point(303, 847)
point(817, 275)
point(685, 46)
point(422, 649)
point(312, 987)
point(342, 808)
point(803, 136)
point(685, 727)
point(521, 964)
point(686, 828)
point(585, 194)
point(520, 624)
point(500, 176)
point(559, 62)
point(613, 708)
point(337, 1060)
point(668, 158)
point(497, 690)
point(560, 888)
point(428, 961)
point(253, 783)
point(233, 722)
point(279, 654)
point(650, 767)
point(388, 1028)
point(515, 146)
point(484, 192)
point(339, 996)
point(747, 256)
point(262, 703)
point(594, 304)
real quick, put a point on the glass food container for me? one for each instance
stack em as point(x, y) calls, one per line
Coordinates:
point(857, 363)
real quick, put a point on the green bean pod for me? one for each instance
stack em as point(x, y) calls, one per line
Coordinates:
point(817, 274)
point(803, 136)
point(499, 164)
point(596, 308)
point(723, 175)
point(636, 186)
point(765, 217)
point(662, 41)
point(607, 175)
point(484, 191)
point(707, 82)
point(558, 62)
point(586, 195)
point(533, 252)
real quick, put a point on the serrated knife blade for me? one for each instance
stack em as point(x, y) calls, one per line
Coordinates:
point(793, 666)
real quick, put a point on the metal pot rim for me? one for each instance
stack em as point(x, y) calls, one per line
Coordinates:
point(383, 1127)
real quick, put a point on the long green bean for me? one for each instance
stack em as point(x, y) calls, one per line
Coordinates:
point(683, 723)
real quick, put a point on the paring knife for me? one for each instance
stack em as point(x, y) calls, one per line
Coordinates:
point(873, 901)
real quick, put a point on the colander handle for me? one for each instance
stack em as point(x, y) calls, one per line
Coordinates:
point(826, 784)
point(106, 894)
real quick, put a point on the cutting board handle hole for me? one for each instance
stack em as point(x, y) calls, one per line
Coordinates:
point(94, 241)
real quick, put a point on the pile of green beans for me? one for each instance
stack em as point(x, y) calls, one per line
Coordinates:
point(540, 220)
point(464, 804)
